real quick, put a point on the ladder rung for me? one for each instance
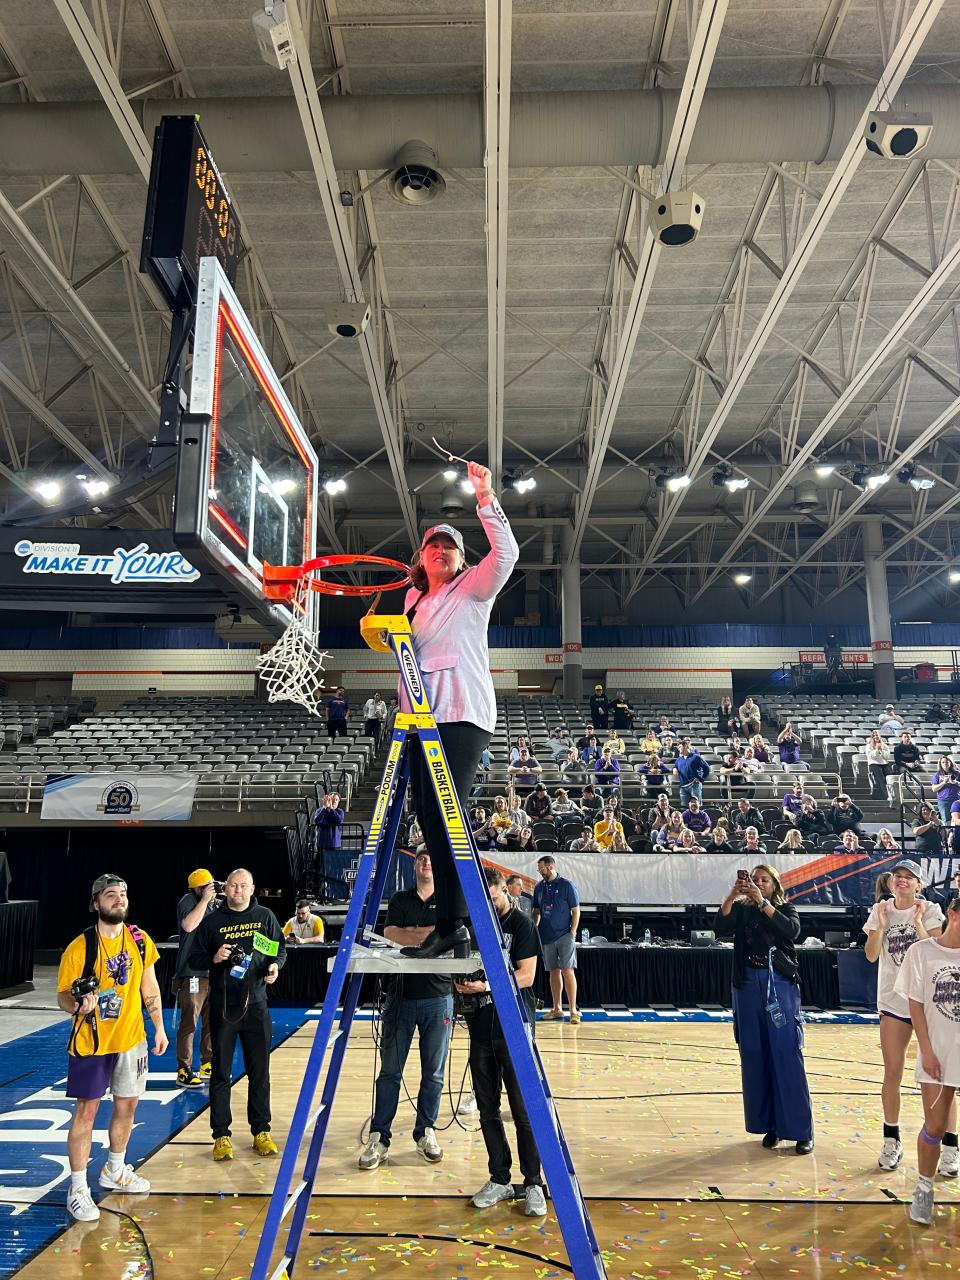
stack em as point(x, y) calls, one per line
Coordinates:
point(281, 1268)
point(294, 1197)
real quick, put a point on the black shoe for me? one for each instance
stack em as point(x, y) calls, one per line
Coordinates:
point(805, 1147)
point(433, 946)
point(770, 1139)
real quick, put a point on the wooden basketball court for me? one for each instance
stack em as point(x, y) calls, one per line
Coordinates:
point(653, 1116)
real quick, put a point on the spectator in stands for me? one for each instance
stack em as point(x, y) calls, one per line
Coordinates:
point(590, 802)
point(812, 822)
point(392, 710)
point(668, 751)
point(788, 745)
point(688, 842)
point(623, 713)
point(659, 814)
point(586, 842)
point(625, 816)
point(588, 733)
point(749, 762)
point(906, 756)
point(946, 786)
point(928, 832)
point(955, 711)
point(650, 742)
point(890, 722)
point(591, 752)
point(620, 845)
point(695, 818)
point(749, 715)
point(374, 718)
point(793, 801)
point(878, 764)
point(760, 750)
point(328, 823)
point(883, 886)
point(654, 773)
point(414, 834)
point(751, 844)
point(606, 772)
point(792, 842)
point(522, 901)
point(765, 927)
point(606, 828)
point(303, 927)
point(484, 832)
point(692, 771)
point(338, 713)
point(599, 708)
point(849, 843)
point(726, 718)
point(719, 841)
point(538, 804)
point(934, 714)
point(573, 768)
point(556, 913)
point(526, 770)
point(664, 727)
point(522, 744)
point(500, 821)
point(734, 776)
point(614, 742)
point(886, 841)
point(892, 928)
point(563, 808)
point(844, 815)
point(743, 814)
point(668, 836)
point(560, 744)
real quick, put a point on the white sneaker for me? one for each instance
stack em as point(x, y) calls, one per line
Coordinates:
point(891, 1154)
point(80, 1205)
point(468, 1107)
point(949, 1165)
point(374, 1153)
point(921, 1209)
point(126, 1180)
point(535, 1202)
point(491, 1193)
point(429, 1147)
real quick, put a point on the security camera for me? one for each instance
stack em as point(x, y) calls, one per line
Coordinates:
point(349, 319)
point(897, 134)
point(675, 218)
point(274, 38)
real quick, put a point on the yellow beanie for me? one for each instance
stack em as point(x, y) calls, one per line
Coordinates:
point(196, 879)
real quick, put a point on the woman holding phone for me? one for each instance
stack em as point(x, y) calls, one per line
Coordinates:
point(766, 1008)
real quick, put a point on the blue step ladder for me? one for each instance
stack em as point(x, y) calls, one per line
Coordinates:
point(388, 633)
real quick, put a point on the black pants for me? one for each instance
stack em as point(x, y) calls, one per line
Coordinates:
point(335, 727)
point(371, 729)
point(462, 744)
point(491, 1068)
point(255, 1031)
point(878, 781)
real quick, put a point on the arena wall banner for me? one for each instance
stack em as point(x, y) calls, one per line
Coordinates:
point(676, 878)
point(119, 797)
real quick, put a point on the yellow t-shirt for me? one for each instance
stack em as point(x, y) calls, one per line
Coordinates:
point(603, 837)
point(119, 1009)
point(311, 928)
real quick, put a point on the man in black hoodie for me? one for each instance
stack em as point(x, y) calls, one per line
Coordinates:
point(238, 1005)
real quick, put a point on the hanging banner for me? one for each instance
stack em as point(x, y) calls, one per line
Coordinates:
point(119, 797)
point(675, 879)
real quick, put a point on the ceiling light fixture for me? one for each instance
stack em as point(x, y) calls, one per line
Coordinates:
point(741, 579)
point(676, 483)
point(450, 474)
point(48, 490)
point(908, 475)
point(97, 488)
point(824, 469)
point(954, 575)
point(876, 481)
point(334, 485)
point(466, 486)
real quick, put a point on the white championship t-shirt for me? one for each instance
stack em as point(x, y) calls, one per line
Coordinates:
point(930, 974)
point(898, 939)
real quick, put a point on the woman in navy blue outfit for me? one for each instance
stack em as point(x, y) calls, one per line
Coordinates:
point(766, 1008)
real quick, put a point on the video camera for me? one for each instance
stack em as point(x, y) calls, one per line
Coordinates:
point(469, 1005)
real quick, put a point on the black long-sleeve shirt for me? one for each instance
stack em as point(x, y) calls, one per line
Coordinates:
point(257, 932)
point(754, 933)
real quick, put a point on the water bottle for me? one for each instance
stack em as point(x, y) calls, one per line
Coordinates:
point(585, 936)
point(647, 937)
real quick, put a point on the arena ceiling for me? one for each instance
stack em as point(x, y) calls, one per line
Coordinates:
point(526, 315)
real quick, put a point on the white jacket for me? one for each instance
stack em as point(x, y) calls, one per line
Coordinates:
point(450, 630)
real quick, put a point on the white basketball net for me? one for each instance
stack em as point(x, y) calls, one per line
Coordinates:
point(293, 669)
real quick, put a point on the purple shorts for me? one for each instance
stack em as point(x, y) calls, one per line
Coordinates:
point(122, 1074)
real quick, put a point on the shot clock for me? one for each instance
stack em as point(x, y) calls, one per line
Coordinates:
point(189, 212)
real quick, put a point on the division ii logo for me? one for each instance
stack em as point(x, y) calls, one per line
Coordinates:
point(120, 800)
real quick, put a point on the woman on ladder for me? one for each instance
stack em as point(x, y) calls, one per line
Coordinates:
point(449, 608)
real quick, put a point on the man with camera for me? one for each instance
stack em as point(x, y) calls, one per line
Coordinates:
point(105, 975)
point(415, 1002)
point(191, 982)
point(490, 1063)
point(244, 945)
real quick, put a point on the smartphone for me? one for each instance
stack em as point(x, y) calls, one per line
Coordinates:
point(743, 874)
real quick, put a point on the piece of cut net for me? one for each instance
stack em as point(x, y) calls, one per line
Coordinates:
point(293, 669)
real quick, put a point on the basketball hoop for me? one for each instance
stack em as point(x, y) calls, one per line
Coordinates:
point(292, 670)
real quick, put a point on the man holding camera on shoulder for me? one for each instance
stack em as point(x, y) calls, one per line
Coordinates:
point(244, 944)
point(191, 981)
point(105, 975)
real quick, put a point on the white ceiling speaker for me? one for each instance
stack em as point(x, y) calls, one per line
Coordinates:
point(348, 319)
point(416, 178)
point(675, 218)
point(897, 134)
point(451, 503)
point(806, 499)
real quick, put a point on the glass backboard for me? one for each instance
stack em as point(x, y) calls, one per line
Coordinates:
point(247, 474)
